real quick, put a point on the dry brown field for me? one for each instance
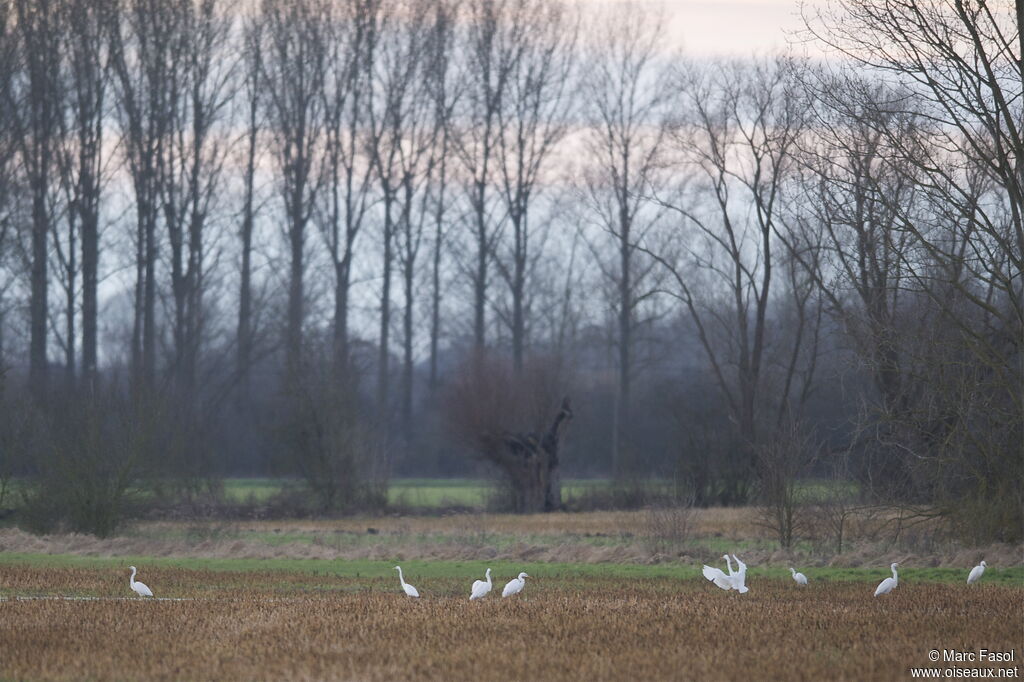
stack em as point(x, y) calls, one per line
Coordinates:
point(291, 626)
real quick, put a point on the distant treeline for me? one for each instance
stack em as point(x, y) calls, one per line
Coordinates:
point(350, 239)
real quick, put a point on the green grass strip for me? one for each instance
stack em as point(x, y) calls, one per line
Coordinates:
point(365, 568)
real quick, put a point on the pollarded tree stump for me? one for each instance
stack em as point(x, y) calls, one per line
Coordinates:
point(531, 463)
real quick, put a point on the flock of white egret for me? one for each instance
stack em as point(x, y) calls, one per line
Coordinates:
point(733, 580)
point(479, 589)
point(737, 580)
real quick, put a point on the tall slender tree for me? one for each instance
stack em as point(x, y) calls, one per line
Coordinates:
point(190, 169)
point(489, 48)
point(144, 55)
point(534, 120)
point(35, 106)
point(294, 73)
point(626, 149)
point(252, 65)
point(355, 33)
point(84, 163)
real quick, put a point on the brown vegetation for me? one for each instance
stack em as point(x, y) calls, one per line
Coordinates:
point(649, 629)
point(689, 536)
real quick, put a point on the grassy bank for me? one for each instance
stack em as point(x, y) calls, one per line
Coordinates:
point(564, 573)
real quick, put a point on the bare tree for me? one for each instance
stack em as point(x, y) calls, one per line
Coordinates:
point(505, 418)
point(34, 105)
point(962, 61)
point(446, 93)
point(83, 163)
point(252, 37)
point(397, 146)
point(626, 148)
point(959, 65)
point(294, 73)
point(355, 34)
point(846, 237)
point(489, 50)
point(782, 463)
point(190, 171)
point(8, 158)
point(417, 163)
point(142, 51)
point(533, 120)
point(738, 137)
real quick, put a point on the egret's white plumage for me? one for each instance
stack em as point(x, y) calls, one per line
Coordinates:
point(139, 588)
point(889, 584)
point(976, 573)
point(732, 581)
point(481, 587)
point(716, 576)
point(739, 579)
point(800, 578)
point(515, 586)
point(409, 589)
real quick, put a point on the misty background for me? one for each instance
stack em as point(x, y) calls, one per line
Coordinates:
point(347, 241)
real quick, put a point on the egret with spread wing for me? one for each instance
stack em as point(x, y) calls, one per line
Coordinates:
point(718, 577)
point(739, 578)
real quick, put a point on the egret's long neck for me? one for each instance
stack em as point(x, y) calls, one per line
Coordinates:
point(400, 578)
point(895, 577)
point(131, 580)
point(488, 576)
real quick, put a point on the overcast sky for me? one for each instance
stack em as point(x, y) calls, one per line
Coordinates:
point(727, 27)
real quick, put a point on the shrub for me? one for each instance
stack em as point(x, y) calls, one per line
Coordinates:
point(88, 461)
point(331, 444)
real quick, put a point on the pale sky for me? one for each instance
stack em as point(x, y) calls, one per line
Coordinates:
point(732, 27)
point(703, 28)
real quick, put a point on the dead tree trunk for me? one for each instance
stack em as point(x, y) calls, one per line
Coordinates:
point(531, 463)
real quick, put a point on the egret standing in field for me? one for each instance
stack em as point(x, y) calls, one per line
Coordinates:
point(137, 587)
point(976, 573)
point(889, 584)
point(481, 587)
point(515, 586)
point(800, 578)
point(409, 589)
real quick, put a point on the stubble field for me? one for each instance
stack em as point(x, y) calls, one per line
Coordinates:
point(343, 625)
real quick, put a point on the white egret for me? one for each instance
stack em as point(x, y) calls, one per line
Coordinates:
point(409, 589)
point(139, 588)
point(515, 586)
point(481, 587)
point(739, 579)
point(800, 578)
point(889, 584)
point(976, 573)
point(732, 581)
